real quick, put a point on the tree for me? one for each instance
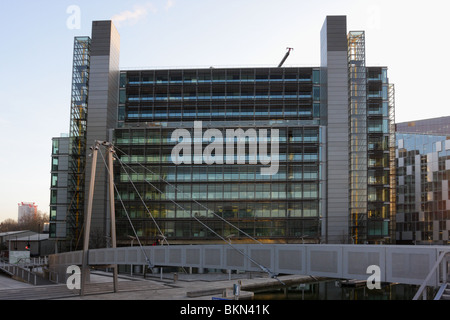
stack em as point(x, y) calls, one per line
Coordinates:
point(33, 222)
point(9, 225)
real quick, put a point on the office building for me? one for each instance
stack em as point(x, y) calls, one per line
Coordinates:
point(326, 131)
point(58, 188)
point(423, 161)
point(27, 210)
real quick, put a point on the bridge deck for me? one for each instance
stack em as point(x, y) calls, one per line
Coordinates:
point(401, 264)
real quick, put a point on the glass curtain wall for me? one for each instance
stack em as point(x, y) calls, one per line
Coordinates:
point(77, 138)
point(358, 136)
point(283, 207)
point(423, 172)
point(381, 157)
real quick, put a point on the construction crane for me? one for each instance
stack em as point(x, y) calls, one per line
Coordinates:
point(285, 57)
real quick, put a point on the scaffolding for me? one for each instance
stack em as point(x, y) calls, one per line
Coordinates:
point(392, 162)
point(357, 136)
point(77, 138)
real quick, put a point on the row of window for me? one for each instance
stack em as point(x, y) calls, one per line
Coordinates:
point(247, 159)
point(307, 135)
point(214, 76)
point(295, 228)
point(242, 191)
point(207, 96)
point(218, 173)
point(193, 114)
point(161, 80)
point(298, 209)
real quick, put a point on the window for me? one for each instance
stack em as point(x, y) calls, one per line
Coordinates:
point(52, 213)
point(55, 148)
point(295, 209)
point(316, 110)
point(310, 209)
point(54, 180)
point(374, 126)
point(123, 80)
point(55, 163)
point(52, 230)
point(316, 76)
point(311, 173)
point(295, 191)
point(311, 135)
point(384, 77)
point(385, 92)
point(316, 93)
point(122, 96)
point(54, 197)
point(310, 191)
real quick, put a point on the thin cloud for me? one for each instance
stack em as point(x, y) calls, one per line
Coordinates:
point(169, 4)
point(138, 13)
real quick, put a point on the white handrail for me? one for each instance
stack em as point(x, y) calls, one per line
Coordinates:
point(441, 291)
point(421, 292)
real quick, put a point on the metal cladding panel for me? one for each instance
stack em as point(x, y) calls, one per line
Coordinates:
point(175, 256)
point(261, 256)
point(325, 261)
point(337, 33)
point(61, 228)
point(213, 256)
point(235, 258)
point(334, 81)
point(291, 260)
point(410, 265)
point(159, 256)
point(132, 255)
point(101, 115)
point(110, 255)
point(193, 257)
point(358, 259)
point(101, 35)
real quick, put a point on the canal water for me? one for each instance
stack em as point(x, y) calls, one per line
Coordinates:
point(332, 290)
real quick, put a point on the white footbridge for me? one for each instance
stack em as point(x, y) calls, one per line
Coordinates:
point(414, 265)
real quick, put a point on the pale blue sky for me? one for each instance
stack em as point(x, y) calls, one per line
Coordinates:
point(410, 37)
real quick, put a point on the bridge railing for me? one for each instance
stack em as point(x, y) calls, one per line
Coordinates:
point(439, 268)
point(399, 264)
point(20, 272)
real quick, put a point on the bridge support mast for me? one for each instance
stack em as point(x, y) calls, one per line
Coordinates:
point(87, 227)
point(112, 209)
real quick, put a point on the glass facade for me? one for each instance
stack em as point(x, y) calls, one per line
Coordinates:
point(219, 95)
point(284, 206)
point(77, 137)
point(358, 136)
point(423, 205)
point(381, 157)
point(58, 187)
point(372, 144)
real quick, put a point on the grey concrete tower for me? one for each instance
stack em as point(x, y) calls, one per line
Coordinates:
point(334, 104)
point(102, 115)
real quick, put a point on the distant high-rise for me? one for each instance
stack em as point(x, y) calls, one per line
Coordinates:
point(27, 210)
point(333, 125)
